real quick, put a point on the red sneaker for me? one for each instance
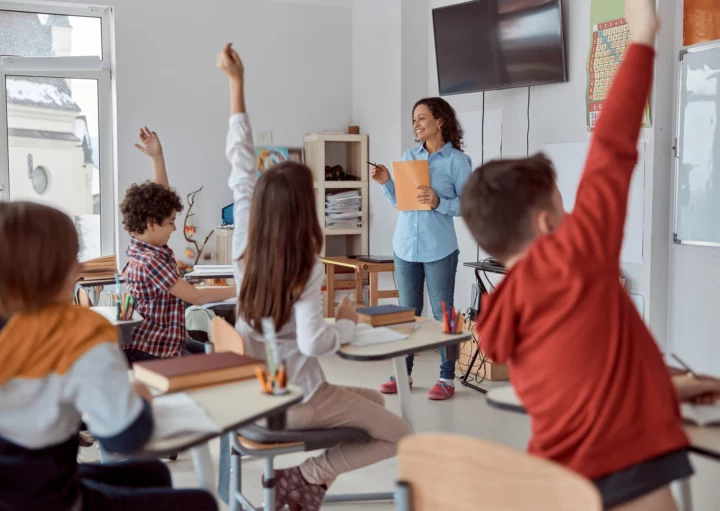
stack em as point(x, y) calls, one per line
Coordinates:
point(441, 391)
point(390, 386)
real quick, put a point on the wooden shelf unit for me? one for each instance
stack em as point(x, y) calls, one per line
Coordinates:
point(350, 152)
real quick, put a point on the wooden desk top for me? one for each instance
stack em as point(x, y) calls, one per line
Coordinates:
point(703, 440)
point(423, 335)
point(231, 406)
point(358, 265)
point(110, 313)
point(99, 282)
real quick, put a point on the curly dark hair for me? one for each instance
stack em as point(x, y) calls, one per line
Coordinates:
point(451, 130)
point(146, 203)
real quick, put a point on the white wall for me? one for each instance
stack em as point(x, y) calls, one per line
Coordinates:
point(694, 321)
point(376, 104)
point(298, 61)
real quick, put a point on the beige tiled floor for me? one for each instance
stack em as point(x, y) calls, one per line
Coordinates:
point(467, 413)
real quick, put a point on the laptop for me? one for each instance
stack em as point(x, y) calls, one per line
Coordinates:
point(375, 259)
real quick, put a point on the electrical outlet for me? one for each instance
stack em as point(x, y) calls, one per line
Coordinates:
point(263, 137)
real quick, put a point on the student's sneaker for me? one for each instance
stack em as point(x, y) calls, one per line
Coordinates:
point(441, 391)
point(293, 490)
point(390, 386)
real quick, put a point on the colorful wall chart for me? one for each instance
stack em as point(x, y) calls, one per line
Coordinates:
point(609, 42)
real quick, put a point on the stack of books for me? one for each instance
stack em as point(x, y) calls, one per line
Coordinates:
point(343, 210)
point(173, 374)
point(385, 315)
point(102, 268)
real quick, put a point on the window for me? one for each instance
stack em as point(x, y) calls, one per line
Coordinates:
point(56, 126)
point(40, 180)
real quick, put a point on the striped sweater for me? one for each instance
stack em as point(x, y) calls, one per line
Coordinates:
point(61, 366)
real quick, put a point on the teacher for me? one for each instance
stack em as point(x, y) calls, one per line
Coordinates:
point(425, 243)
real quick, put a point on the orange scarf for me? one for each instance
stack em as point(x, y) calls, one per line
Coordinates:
point(37, 344)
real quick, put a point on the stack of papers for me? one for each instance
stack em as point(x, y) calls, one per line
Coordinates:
point(367, 335)
point(177, 414)
point(212, 268)
point(343, 210)
point(702, 415)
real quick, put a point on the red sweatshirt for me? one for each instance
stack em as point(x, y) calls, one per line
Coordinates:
point(581, 359)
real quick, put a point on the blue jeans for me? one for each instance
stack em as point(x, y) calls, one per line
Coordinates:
point(440, 276)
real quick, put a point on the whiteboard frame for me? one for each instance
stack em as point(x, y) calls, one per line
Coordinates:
point(696, 48)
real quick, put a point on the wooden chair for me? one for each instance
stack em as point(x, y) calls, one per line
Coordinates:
point(474, 474)
point(225, 337)
point(82, 297)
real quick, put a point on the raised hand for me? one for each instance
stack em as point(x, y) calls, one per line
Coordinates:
point(149, 143)
point(642, 18)
point(230, 63)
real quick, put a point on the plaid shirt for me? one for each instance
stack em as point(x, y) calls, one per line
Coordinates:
point(150, 272)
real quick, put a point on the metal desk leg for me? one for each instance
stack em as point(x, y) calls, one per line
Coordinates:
point(330, 279)
point(204, 468)
point(683, 494)
point(403, 385)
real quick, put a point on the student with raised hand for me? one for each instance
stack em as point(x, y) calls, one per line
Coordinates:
point(276, 247)
point(583, 363)
point(152, 277)
point(61, 364)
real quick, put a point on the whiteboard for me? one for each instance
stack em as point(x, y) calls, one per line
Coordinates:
point(569, 161)
point(697, 163)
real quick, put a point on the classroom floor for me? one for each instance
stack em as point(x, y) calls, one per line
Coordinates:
point(467, 414)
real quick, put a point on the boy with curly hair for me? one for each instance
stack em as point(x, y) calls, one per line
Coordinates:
point(151, 275)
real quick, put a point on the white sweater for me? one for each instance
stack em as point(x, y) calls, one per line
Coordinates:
point(306, 335)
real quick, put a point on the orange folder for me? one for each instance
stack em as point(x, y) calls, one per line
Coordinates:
point(408, 175)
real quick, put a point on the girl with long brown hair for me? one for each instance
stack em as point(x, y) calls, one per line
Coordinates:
point(276, 247)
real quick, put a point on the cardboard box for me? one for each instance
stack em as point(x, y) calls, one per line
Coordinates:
point(493, 371)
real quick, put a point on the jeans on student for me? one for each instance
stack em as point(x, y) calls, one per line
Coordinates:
point(440, 277)
point(137, 485)
point(191, 348)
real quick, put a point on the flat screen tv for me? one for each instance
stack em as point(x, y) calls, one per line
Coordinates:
point(499, 44)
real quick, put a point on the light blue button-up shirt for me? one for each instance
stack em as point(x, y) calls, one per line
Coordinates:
point(427, 236)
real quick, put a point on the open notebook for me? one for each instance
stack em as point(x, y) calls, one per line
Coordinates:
point(177, 414)
point(366, 335)
point(702, 415)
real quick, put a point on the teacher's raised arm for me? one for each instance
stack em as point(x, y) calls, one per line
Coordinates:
point(425, 244)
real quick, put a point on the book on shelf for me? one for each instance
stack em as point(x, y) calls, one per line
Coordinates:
point(101, 268)
point(385, 315)
point(172, 374)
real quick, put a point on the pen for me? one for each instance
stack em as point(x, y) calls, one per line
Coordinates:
point(373, 164)
point(684, 365)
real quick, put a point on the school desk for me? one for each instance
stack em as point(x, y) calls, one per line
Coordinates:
point(125, 328)
point(423, 335)
point(359, 268)
point(198, 276)
point(704, 441)
point(230, 406)
point(95, 287)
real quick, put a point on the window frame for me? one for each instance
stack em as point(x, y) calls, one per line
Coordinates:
point(93, 68)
